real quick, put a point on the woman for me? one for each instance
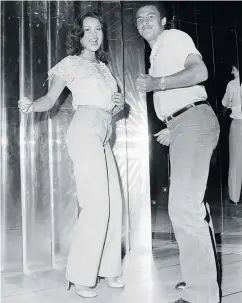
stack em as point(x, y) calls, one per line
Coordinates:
point(232, 100)
point(96, 246)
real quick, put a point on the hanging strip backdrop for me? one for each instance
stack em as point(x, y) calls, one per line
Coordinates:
point(39, 203)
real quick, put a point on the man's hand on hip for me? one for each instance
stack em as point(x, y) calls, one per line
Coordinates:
point(163, 137)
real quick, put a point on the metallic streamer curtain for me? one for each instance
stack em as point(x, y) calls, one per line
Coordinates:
point(11, 233)
point(111, 13)
point(137, 135)
point(131, 144)
point(38, 194)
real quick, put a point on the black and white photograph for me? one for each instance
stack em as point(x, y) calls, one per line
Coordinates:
point(121, 151)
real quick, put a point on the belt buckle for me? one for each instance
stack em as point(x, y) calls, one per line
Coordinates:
point(169, 117)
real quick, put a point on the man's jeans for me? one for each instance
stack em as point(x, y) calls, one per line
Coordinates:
point(194, 135)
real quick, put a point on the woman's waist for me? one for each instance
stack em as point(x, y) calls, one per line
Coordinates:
point(94, 109)
point(91, 115)
point(101, 103)
point(90, 120)
point(93, 96)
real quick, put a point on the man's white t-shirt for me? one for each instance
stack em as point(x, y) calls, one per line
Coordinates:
point(168, 57)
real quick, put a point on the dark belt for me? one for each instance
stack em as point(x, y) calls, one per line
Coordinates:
point(182, 110)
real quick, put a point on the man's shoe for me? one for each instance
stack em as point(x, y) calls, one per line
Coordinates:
point(232, 202)
point(180, 285)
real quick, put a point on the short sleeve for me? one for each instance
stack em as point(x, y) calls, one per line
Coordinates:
point(184, 44)
point(65, 69)
point(227, 100)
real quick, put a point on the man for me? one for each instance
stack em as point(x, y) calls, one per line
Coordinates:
point(175, 76)
point(232, 100)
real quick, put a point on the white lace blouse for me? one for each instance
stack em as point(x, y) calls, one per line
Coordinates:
point(90, 83)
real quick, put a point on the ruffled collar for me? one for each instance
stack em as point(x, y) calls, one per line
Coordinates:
point(90, 61)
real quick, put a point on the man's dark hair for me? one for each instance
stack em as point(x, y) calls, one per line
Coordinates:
point(235, 64)
point(159, 5)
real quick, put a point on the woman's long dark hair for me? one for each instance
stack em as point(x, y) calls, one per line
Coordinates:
point(73, 44)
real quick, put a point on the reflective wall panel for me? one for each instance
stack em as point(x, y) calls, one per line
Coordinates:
point(11, 223)
point(114, 46)
point(64, 209)
point(137, 133)
point(35, 188)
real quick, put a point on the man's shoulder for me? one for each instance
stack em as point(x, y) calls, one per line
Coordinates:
point(234, 82)
point(176, 33)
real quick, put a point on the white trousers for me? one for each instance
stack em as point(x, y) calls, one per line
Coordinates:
point(235, 160)
point(96, 243)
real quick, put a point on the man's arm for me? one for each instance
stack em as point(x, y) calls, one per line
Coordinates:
point(194, 72)
point(47, 101)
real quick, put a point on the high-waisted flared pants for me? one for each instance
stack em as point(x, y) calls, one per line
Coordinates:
point(96, 240)
point(235, 160)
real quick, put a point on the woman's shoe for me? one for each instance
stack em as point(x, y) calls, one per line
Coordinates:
point(114, 283)
point(82, 291)
point(180, 285)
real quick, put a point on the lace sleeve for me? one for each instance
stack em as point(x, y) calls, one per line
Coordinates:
point(65, 69)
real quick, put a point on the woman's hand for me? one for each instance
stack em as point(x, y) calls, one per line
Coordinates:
point(163, 137)
point(118, 100)
point(25, 105)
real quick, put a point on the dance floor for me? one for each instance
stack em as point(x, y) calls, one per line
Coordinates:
point(149, 278)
